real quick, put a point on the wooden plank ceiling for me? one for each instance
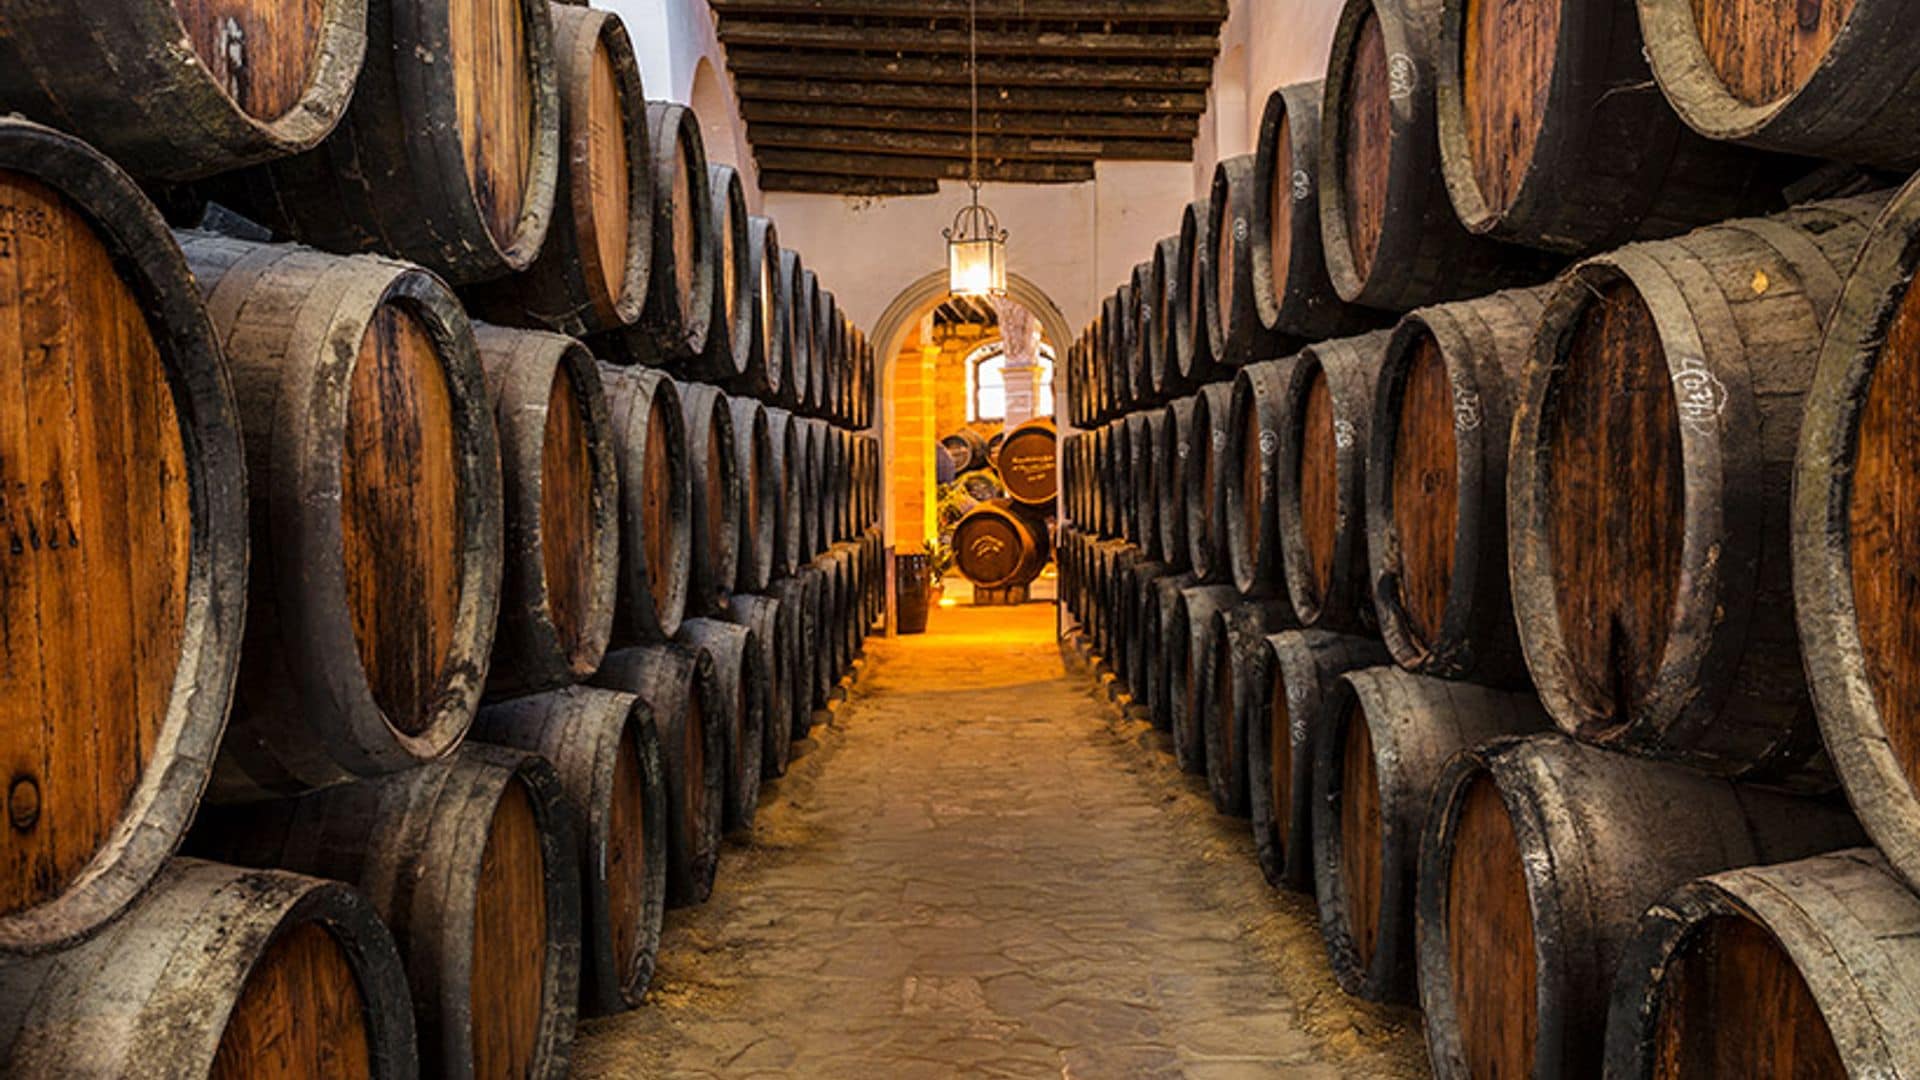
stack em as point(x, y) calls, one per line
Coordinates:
point(869, 97)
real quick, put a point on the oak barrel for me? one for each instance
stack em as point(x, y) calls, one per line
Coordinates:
point(1170, 480)
point(1255, 418)
point(1192, 344)
point(1157, 320)
point(1233, 662)
point(1388, 735)
point(733, 695)
point(1185, 636)
point(1159, 654)
point(122, 451)
point(765, 372)
point(757, 526)
point(775, 625)
point(678, 314)
point(1647, 490)
point(785, 438)
point(1137, 473)
point(654, 460)
point(561, 490)
point(196, 87)
point(606, 750)
point(449, 154)
point(1028, 463)
point(218, 972)
point(1000, 544)
point(795, 279)
point(797, 600)
point(967, 447)
point(471, 862)
point(1436, 486)
point(730, 334)
point(1206, 481)
point(1540, 854)
point(374, 477)
point(1139, 372)
point(1235, 334)
point(716, 497)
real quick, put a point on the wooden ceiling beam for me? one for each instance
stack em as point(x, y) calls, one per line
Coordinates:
point(994, 44)
point(1062, 124)
point(817, 89)
point(1078, 11)
point(958, 145)
point(829, 184)
point(993, 73)
point(779, 159)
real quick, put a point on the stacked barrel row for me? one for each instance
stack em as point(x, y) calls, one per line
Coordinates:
point(1550, 623)
point(469, 505)
point(1004, 542)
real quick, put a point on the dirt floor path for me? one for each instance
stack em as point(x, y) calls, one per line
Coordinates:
point(979, 868)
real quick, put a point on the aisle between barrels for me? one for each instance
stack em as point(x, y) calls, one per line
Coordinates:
point(978, 869)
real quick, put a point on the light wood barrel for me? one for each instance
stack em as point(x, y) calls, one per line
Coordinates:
point(374, 476)
point(197, 87)
point(219, 972)
point(561, 486)
point(678, 314)
point(654, 462)
point(449, 154)
point(998, 545)
point(605, 747)
point(471, 861)
point(716, 497)
point(121, 612)
point(593, 273)
point(1029, 463)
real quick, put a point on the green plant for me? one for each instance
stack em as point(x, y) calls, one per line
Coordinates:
point(939, 558)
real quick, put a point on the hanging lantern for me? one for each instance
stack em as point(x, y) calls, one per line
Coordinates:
point(976, 252)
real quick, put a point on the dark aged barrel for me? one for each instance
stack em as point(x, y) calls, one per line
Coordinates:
point(999, 544)
point(1647, 491)
point(967, 447)
point(1323, 452)
point(1436, 482)
point(561, 491)
point(1291, 293)
point(1206, 482)
point(678, 314)
point(1157, 319)
point(1389, 734)
point(1119, 485)
point(797, 605)
point(1252, 487)
point(1551, 135)
point(1192, 345)
point(1137, 471)
point(1186, 636)
point(822, 580)
point(756, 527)
point(1293, 709)
point(1233, 666)
point(1121, 364)
point(716, 497)
point(1149, 303)
point(1170, 480)
point(1539, 856)
point(730, 336)
point(670, 679)
point(1815, 80)
point(798, 326)
point(1139, 373)
point(471, 861)
point(121, 610)
point(813, 523)
point(826, 317)
point(1854, 506)
point(219, 972)
point(1159, 654)
point(774, 625)
point(606, 749)
point(734, 698)
point(654, 462)
point(1235, 333)
point(196, 88)
point(806, 393)
point(448, 155)
point(1797, 970)
point(1387, 229)
point(764, 373)
point(1149, 443)
point(592, 274)
point(785, 439)
point(375, 486)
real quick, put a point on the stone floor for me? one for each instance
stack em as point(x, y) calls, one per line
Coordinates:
point(981, 869)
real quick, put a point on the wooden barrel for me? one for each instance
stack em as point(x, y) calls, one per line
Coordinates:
point(1192, 344)
point(807, 393)
point(1137, 473)
point(1206, 483)
point(826, 317)
point(1233, 662)
point(730, 337)
point(1851, 546)
point(1323, 455)
point(798, 326)
point(1158, 677)
point(1120, 486)
point(1387, 228)
point(1170, 480)
point(448, 155)
point(219, 86)
point(1149, 443)
point(561, 488)
point(836, 644)
point(769, 307)
point(1436, 484)
point(1119, 365)
point(1157, 319)
point(1000, 544)
point(376, 511)
point(653, 459)
point(757, 525)
point(819, 585)
point(1794, 970)
point(1809, 80)
point(592, 275)
point(814, 522)
point(606, 750)
point(715, 509)
point(121, 615)
point(1131, 595)
point(471, 862)
point(1235, 334)
point(774, 627)
point(1292, 710)
point(219, 972)
point(1185, 633)
point(1541, 145)
point(1292, 295)
point(1255, 418)
point(733, 695)
point(1139, 372)
point(1388, 736)
point(967, 447)
point(1711, 339)
point(671, 679)
point(786, 442)
point(1540, 854)
point(797, 606)
point(678, 316)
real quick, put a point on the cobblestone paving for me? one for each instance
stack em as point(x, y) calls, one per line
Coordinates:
point(981, 869)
